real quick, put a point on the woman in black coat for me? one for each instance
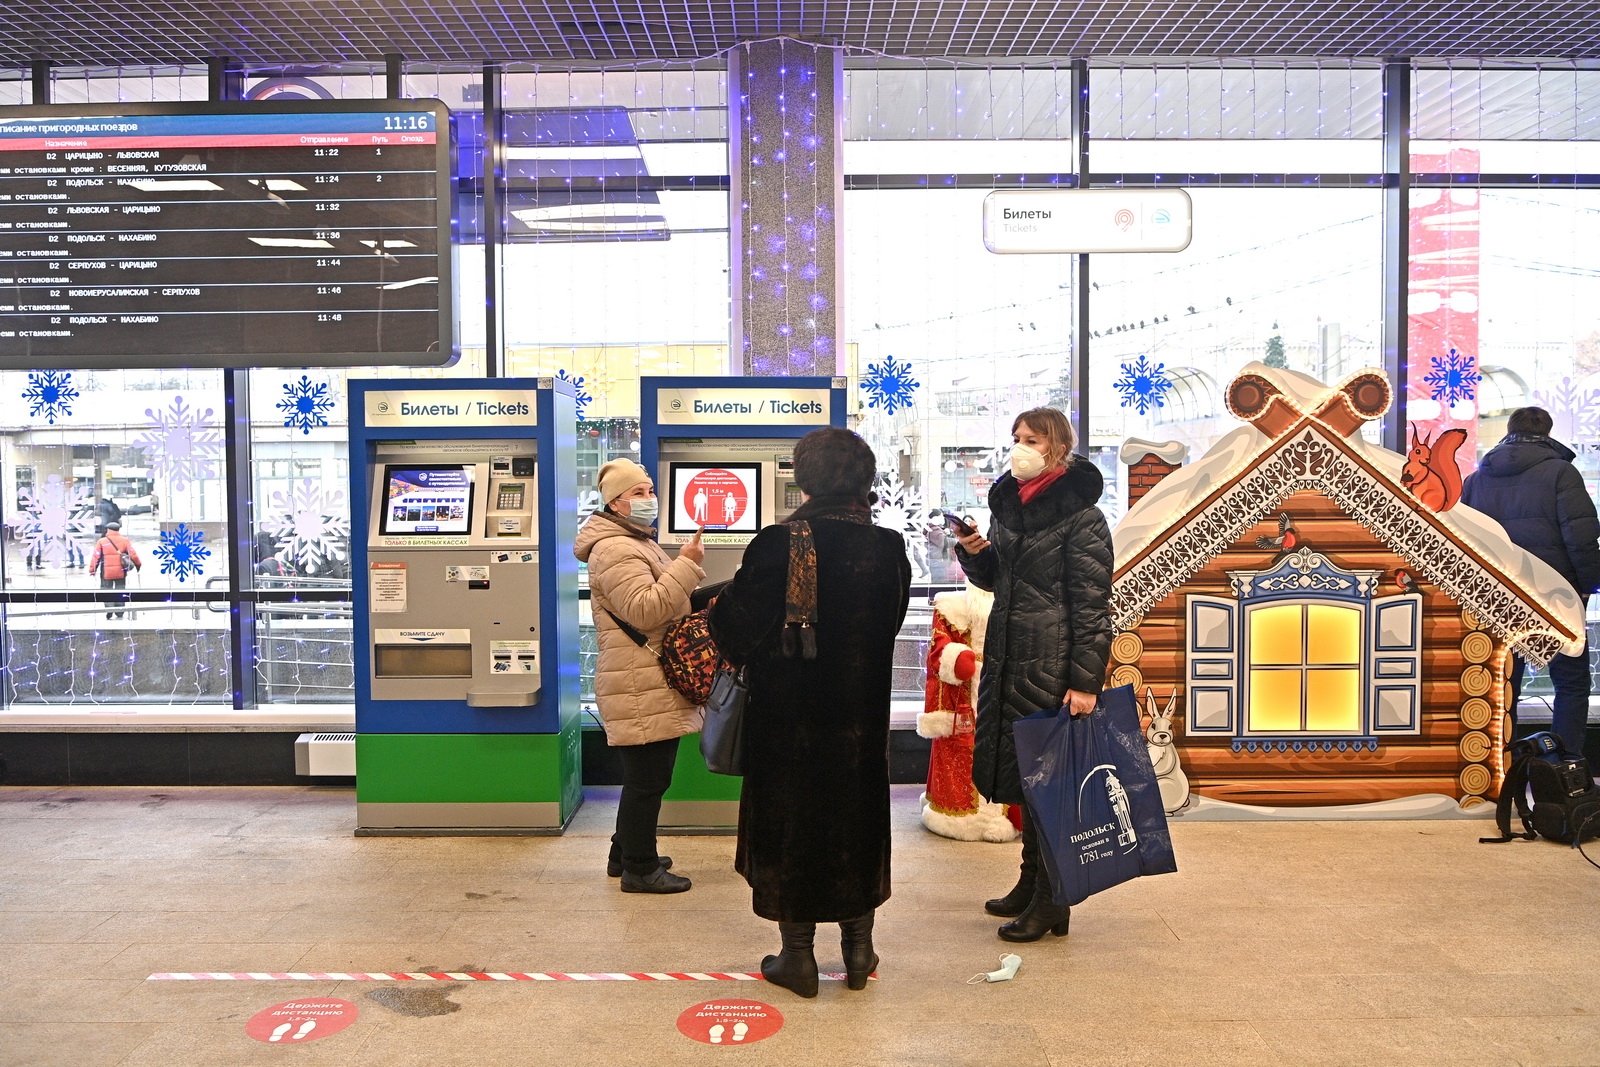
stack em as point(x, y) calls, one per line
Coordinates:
point(1048, 562)
point(814, 810)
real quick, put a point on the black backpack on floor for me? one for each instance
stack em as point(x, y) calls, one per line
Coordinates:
point(1566, 804)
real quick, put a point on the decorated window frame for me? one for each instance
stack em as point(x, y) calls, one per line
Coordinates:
point(1307, 628)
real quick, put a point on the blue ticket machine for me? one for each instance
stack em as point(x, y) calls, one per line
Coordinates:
point(463, 512)
point(722, 453)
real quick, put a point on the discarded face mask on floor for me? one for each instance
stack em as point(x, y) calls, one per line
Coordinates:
point(1008, 970)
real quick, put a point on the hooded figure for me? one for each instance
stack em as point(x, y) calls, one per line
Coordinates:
point(814, 810)
point(1527, 484)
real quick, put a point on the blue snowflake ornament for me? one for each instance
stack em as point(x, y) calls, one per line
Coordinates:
point(582, 399)
point(1143, 385)
point(182, 552)
point(50, 394)
point(305, 405)
point(889, 385)
point(1454, 378)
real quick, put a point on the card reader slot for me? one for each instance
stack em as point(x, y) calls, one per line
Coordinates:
point(422, 661)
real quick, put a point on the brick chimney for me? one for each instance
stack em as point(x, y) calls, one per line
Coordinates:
point(1149, 462)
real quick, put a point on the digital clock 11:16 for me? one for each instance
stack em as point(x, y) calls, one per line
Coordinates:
point(408, 122)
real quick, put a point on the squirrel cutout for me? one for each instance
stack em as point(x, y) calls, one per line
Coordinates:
point(1431, 473)
point(1171, 780)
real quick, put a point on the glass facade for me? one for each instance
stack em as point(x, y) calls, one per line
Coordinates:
point(607, 258)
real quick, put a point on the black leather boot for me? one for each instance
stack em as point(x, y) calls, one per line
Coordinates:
point(1016, 902)
point(794, 968)
point(1042, 917)
point(659, 880)
point(855, 940)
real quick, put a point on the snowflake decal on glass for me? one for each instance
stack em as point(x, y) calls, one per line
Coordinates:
point(50, 394)
point(47, 520)
point(889, 385)
point(182, 552)
point(900, 507)
point(582, 398)
point(305, 404)
point(1454, 378)
point(1574, 409)
point(1143, 385)
point(308, 525)
point(179, 444)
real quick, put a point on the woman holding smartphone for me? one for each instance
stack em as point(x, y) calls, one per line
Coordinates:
point(1048, 561)
point(636, 589)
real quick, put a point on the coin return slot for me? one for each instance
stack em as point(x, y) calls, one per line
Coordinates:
point(423, 661)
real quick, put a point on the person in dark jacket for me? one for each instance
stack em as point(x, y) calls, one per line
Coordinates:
point(1048, 562)
point(814, 809)
point(1527, 484)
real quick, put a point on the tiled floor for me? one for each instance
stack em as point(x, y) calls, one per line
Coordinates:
point(1276, 943)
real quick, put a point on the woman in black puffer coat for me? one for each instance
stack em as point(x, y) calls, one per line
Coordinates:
point(1049, 565)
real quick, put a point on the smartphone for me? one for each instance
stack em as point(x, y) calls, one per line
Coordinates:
point(961, 526)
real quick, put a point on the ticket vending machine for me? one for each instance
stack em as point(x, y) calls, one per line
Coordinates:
point(463, 512)
point(722, 453)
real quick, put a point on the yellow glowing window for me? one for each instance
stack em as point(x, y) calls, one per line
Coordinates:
point(1305, 669)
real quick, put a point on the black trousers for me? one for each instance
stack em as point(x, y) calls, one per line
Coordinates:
point(646, 775)
point(113, 601)
point(1032, 852)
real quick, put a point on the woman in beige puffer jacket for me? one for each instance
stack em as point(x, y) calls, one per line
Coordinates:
point(633, 579)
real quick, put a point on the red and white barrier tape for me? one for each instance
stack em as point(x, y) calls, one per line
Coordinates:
point(460, 976)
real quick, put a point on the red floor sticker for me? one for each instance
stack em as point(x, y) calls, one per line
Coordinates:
point(730, 1022)
point(296, 1021)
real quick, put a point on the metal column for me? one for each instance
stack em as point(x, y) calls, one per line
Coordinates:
point(1396, 242)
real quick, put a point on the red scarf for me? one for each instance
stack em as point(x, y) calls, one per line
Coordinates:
point(1034, 486)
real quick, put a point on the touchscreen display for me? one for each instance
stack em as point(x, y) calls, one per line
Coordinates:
point(723, 497)
point(428, 500)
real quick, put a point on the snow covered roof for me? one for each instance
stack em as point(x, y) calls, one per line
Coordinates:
point(1196, 512)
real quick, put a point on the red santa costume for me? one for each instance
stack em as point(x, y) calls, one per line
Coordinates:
point(951, 806)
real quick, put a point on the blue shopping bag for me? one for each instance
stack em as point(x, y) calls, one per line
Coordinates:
point(1090, 786)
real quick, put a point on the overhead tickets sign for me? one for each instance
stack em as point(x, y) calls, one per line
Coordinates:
point(1023, 221)
point(749, 407)
point(452, 407)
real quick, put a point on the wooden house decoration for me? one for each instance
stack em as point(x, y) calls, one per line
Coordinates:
point(1331, 639)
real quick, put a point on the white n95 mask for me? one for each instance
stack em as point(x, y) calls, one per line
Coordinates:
point(1026, 463)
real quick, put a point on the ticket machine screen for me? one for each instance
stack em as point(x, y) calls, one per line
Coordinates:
point(723, 497)
point(431, 499)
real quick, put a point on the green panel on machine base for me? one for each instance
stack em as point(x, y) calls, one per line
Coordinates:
point(470, 769)
point(691, 780)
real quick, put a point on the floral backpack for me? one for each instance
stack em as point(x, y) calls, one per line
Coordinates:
point(688, 655)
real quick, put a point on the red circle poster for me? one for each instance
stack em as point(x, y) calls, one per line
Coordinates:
point(715, 498)
point(730, 1022)
point(295, 1022)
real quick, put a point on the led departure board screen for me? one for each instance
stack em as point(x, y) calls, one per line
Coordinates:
point(226, 235)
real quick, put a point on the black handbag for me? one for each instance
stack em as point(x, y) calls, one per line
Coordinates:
point(722, 736)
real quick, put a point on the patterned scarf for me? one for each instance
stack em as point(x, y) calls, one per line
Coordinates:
point(800, 599)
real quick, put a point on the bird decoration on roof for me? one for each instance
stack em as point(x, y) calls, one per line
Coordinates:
point(1288, 538)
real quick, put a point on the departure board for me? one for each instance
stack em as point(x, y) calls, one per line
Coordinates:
point(306, 233)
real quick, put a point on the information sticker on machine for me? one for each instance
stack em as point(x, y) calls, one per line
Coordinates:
point(470, 575)
point(388, 587)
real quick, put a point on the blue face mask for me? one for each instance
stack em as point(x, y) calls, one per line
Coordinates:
point(643, 511)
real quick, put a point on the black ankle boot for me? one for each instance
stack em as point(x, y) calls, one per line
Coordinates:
point(794, 968)
point(614, 861)
point(855, 940)
point(1042, 917)
point(1015, 902)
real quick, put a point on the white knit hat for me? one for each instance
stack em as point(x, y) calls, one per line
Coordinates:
point(618, 476)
